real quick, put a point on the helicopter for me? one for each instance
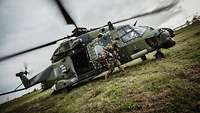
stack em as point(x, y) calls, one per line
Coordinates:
point(76, 59)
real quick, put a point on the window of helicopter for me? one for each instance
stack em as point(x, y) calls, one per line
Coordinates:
point(124, 30)
point(106, 40)
point(126, 33)
point(98, 50)
point(121, 32)
point(127, 28)
point(129, 36)
point(139, 30)
point(56, 52)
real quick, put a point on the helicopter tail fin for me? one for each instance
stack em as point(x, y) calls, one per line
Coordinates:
point(24, 79)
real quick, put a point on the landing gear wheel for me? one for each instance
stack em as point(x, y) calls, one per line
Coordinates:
point(144, 58)
point(68, 89)
point(159, 55)
point(64, 90)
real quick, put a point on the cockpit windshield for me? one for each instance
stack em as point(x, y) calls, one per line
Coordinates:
point(128, 33)
point(139, 30)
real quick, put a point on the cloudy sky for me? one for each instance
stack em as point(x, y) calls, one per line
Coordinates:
point(28, 23)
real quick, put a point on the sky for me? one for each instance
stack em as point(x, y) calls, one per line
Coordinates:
point(29, 23)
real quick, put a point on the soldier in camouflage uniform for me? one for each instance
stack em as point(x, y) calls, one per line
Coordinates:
point(102, 61)
point(109, 58)
point(112, 57)
point(101, 56)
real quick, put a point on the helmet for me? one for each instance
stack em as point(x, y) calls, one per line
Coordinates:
point(100, 35)
point(103, 30)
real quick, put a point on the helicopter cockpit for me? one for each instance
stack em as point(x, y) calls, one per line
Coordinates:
point(127, 32)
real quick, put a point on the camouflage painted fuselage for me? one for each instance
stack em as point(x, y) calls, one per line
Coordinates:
point(75, 60)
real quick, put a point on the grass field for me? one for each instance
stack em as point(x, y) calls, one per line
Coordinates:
point(170, 85)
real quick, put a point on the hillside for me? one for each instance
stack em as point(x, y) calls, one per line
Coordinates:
point(170, 85)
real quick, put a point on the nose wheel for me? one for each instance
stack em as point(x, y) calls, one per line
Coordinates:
point(144, 58)
point(159, 54)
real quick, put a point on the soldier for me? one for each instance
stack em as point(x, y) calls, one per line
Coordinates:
point(112, 58)
point(110, 26)
point(99, 51)
point(103, 30)
point(100, 35)
point(102, 61)
point(115, 46)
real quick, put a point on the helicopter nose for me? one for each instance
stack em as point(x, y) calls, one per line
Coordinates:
point(169, 43)
point(173, 43)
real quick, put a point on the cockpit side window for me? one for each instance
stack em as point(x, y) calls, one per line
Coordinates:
point(105, 40)
point(121, 32)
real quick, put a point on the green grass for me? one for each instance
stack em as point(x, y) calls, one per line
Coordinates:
point(170, 85)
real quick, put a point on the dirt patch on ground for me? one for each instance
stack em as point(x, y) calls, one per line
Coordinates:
point(193, 72)
point(150, 102)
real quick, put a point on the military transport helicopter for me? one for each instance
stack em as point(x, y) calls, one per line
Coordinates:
point(75, 60)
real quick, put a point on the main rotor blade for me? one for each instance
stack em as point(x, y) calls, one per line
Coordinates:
point(17, 87)
point(65, 14)
point(32, 49)
point(153, 12)
point(12, 91)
